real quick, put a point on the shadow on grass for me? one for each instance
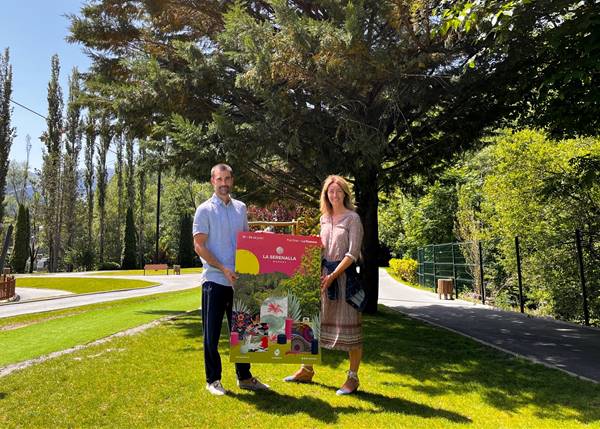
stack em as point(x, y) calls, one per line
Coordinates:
point(437, 362)
point(280, 404)
point(3, 395)
point(443, 362)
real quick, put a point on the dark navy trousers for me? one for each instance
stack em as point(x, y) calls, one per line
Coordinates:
point(217, 301)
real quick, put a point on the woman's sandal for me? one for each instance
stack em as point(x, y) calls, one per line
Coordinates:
point(350, 386)
point(303, 375)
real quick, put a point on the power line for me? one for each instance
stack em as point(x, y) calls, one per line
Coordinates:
point(27, 108)
point(41, 116)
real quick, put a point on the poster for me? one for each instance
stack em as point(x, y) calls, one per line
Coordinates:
point(276, 299)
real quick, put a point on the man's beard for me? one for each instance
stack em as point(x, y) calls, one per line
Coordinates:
point(223, 190)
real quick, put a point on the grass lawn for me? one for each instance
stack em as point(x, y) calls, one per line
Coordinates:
point(412, 376)
point(30, 336)
point(81, 284)
point(197, 270)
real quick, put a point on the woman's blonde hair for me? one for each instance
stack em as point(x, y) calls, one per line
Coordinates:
point(326, 207)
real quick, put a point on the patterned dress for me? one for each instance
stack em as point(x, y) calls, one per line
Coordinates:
point(340, 323)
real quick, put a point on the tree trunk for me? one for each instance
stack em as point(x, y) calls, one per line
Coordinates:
point(367, 201)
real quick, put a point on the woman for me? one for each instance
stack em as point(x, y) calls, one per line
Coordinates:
point(341, 235)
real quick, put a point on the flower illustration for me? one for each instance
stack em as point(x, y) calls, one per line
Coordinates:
point(275, 308)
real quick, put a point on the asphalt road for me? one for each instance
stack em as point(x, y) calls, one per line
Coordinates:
point(572, 348)
point(170, 283)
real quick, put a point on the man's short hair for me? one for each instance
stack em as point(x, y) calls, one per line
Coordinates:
point(220, 167)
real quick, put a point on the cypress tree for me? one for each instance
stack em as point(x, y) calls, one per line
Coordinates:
point(185, 258)
point(102, 181)
point(7, 133)
point(51, 170)
point(129, 255)
point(22, 235)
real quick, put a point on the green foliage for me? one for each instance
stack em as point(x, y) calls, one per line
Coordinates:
point(305, 283)
point(20, 251)
point(185, 256)
point(7, 132)
point(129, 258)
point(528, 185)
point(536, 192)
point(82, 256)
point(405, 268)
point(109, 266)
point(253, 289)
point(408, 223)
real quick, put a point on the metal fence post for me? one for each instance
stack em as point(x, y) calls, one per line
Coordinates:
point(420, 266)
point(586, 314)
point(481, 272)
point(454, 272)
point(517, 249)
point(434, 269)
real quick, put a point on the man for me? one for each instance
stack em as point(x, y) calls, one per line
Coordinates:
point(216, 224)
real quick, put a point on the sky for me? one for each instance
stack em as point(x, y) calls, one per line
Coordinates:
point(34, 30)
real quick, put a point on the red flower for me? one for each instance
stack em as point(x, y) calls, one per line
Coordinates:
point(274, 308)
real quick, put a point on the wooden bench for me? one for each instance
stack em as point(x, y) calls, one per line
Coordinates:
point(156, 267)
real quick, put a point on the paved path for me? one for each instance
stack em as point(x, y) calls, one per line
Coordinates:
point(569, 347)
point(169, 283)
point(29, 293)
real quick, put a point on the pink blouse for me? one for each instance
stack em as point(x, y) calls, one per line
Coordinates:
point(342, 237)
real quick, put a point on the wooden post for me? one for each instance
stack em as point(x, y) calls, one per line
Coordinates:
point(444, 286)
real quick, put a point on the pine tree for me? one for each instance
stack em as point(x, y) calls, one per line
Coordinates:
point(20, 251)
point(129, 255)
point(185, 258)
point(52, 167)
point(7, 133)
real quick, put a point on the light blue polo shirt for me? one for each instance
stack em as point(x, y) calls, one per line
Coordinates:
point(221, 223)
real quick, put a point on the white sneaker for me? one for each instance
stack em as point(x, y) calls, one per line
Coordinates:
point(216, 388)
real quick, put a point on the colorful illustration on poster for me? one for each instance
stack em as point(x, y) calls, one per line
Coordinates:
point(276, 305)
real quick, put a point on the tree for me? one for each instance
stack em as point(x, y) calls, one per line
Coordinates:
point(290, 91)
point(74, 131)
point(141, 172)
point(119, 173)
point(130, 171)
point(90, 143)
point(51, 171)
point(7, 132)
point(186, 254)
point(129, 256)
point(102, 178)
point(20, 251)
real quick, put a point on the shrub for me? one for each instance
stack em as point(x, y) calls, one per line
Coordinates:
point(109, 266)
point(405, 268)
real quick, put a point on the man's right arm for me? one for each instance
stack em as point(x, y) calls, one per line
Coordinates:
point(204, 253)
